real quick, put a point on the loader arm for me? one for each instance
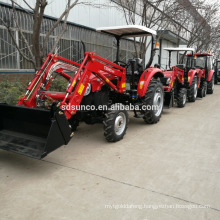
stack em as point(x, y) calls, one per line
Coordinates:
point(92, 64)
point(102, 69)
point(52, 63)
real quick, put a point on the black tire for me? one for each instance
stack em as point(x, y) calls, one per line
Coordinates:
point(181, 97)
point(115, 123)
point(154, 96)
point(74, 122)
point(211, 85)
point(193, 90)
point(204, 85)
point(216, 80)
point(200, 92)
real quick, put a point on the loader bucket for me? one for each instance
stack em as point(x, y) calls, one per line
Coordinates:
point(32, 132)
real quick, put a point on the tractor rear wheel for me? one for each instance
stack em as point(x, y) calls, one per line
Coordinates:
point(210, 85)
point(216, 80)
point(193, 90)
point(153, 102)
point(201, 92)
point(181, 97)
point(115, 123)
point(204, 85)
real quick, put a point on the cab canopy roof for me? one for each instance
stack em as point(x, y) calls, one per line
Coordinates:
point(179, 49)
point(203, 54)
point(127, 31)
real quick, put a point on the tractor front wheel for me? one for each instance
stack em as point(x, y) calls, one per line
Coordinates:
point(115, 123)
point(193, 90)
point(153, 102)
point(210, 85)
point(181, 97)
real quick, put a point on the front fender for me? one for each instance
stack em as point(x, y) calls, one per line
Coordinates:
point(145, 79)
point(210, 74)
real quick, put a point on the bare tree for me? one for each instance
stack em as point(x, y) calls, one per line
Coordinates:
point(202, 23)
point(209, 36)
point(198, 18)
point(37, 51)
point(154, 14)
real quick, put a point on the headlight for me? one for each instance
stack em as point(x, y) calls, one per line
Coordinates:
point(168, 81)
point(88, 89)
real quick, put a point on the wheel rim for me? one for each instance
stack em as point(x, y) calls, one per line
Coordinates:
point(120, 123)
point(184, 98)
point(158, 102)
point(195, 90)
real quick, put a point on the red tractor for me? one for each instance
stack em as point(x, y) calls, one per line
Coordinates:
point(44, 120)
point(202, 65)
point(177, 80)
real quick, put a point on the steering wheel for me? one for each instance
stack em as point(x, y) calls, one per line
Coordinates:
point(118, 62)
point(199, 67)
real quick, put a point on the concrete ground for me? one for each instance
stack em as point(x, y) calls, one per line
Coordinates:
point(166, 171)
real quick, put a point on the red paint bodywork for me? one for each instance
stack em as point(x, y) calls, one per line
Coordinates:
point(210, 74)
point(197, 72)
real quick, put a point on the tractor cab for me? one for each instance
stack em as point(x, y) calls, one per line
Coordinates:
point(184, 67)
point(217, 71)
point(202, 61)
point(203, 65)
point(134, 66)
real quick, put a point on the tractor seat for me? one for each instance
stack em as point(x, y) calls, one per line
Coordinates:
point(181, 66)
point(164, 80)
point(138, 67)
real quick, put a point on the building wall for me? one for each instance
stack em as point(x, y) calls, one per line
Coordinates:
point(69, 47)
point(97, 13)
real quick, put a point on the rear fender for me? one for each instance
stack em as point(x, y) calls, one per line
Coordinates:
point(210, 74)
point(145, 79)
point(191, 75)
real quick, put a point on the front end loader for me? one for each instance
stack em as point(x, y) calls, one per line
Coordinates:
point(44, 120)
